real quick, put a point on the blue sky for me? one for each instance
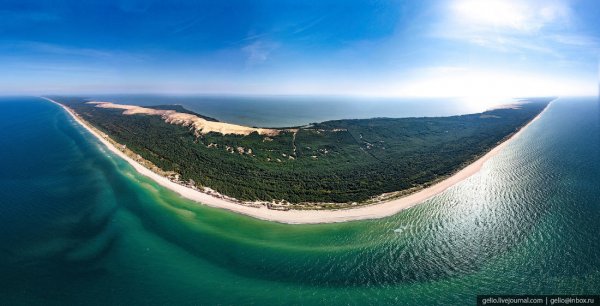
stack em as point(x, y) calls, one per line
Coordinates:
point(383, 48)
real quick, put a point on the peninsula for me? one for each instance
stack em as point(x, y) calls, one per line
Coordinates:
point(333, 171)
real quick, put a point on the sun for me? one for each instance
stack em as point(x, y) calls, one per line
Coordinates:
point(495, 13)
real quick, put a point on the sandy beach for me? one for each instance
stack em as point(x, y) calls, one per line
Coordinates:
point(372, 211)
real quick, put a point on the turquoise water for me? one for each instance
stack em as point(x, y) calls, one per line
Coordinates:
point(79, 226)
point(285, 111)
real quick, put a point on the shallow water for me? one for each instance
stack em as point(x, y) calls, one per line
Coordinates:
point(80, 226)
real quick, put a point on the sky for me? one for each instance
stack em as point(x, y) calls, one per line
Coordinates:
point(425, 48)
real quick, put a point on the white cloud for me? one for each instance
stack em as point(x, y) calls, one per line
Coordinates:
point(525, 27)
point(259, 51)
point(518, 15)
point(575, 40)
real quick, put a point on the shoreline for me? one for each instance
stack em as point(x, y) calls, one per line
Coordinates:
point(366, 212)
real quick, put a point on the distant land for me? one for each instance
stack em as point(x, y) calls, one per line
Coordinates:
point(329, 165)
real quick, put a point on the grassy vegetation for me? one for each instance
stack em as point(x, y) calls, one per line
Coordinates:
point(337, 161)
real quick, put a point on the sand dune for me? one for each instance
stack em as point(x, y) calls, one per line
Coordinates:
point(201, 126)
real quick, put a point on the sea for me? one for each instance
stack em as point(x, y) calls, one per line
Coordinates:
point(291, 111)
point(79, 226)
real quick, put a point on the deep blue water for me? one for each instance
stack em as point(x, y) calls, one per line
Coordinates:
point(78, 226)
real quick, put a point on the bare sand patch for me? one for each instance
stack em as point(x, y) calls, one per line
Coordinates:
point(200, 125)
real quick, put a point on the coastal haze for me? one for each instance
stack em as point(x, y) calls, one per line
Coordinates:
point(307, 152)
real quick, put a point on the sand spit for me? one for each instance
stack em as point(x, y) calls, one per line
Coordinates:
point(260, 211)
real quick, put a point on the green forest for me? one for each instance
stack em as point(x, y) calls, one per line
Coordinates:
point(338, 161)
